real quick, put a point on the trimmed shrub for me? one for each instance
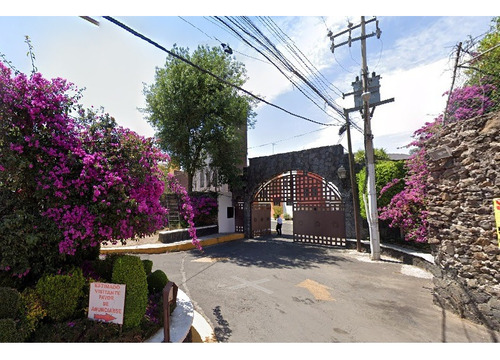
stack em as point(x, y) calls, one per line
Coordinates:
point(8, 331)
point(104, 268)
point(9, 302)
point(157, 281)
point(60, 293)
point(32, 309)
point(129, 270)
point(148, 266)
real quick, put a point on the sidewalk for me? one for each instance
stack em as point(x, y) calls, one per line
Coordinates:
point(160, 248)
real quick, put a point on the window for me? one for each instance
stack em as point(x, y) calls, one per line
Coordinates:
point(230, 212)
point(202, 180)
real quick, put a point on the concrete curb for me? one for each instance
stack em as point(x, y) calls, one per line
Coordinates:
point(164, 248)
point(201, 330)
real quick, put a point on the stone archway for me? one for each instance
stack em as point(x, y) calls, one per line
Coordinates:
point(318, 209)
point(323, 161)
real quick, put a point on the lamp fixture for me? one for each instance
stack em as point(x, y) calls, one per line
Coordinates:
point(342, 172)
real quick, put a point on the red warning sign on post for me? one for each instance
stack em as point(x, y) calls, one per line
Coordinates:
point(107, 302)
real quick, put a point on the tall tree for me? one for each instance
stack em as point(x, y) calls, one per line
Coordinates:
point(485, 66)
point(196, 116)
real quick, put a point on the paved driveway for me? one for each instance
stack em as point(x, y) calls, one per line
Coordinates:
point(274, 290)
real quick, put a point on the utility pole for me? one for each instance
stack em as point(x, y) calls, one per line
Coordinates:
point(370, 158)
point(452, 82)
point(352, 175)
point(370, 98)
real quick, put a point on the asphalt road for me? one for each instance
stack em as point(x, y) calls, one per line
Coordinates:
point(272, 290)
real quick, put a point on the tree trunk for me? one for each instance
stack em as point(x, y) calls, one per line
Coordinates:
point(190, 183)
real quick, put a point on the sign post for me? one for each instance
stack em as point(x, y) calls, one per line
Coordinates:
point(107, 302)
point(169, 297)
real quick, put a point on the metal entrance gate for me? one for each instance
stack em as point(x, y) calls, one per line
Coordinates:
point(261, 219)
point(239, 217)
point(318, 210)
point(319, 224)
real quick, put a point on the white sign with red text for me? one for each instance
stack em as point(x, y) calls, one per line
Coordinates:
point(107, 302)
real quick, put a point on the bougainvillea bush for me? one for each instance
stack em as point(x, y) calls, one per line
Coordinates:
point(70, 179)
point(408, 209)
point(205, 208)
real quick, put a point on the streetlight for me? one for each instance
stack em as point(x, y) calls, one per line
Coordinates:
point(342, 172)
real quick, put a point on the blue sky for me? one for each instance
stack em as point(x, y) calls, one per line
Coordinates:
point(412, 56)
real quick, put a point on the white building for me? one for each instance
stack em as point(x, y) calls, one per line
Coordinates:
point(206, 180)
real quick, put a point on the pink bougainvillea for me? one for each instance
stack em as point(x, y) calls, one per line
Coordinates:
point(408, 209)
point(92, 179)
point(186, 208)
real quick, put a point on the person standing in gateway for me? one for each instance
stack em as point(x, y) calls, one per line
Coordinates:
point(279, 224)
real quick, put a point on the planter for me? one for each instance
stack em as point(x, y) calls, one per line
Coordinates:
point(171, 236)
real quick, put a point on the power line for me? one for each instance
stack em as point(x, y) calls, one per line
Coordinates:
point(269, 50)
point(215, 38)
point(283, 61)
point(280, 36)
point(269, 63)
point(327, 83)
point(139, 35)
point(290, 138)
point(293, 48)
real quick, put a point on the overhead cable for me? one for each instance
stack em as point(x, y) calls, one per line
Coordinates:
point(139, 35)
point(268, 45)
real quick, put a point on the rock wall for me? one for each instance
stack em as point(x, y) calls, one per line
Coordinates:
point(461, 218)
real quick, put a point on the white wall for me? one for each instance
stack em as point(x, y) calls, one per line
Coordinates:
point(225, 200)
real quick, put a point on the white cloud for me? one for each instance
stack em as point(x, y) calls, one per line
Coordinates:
point(418, 99)
point(109, 63)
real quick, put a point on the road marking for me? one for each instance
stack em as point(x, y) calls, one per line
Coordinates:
point(208, 259)
point(245, 283)
point(319, 291)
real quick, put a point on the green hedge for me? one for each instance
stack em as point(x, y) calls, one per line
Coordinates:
point(9, 302)
point(148, 266)
point(157, 281)
point(9, 332)
point(129, 270)
point(60, 293)
point(385, 172)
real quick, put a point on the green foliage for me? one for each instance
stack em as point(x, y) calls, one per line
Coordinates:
point(278, 210)
point(197, 117)
point(9, 331)
point(28, 240)
point(104, 267)
point(385, 172)
point(148, 266)
point(60, 294)
point(157, 281)
point(129, 270)
point(379, 154)
point(486, 68)
point(88, 331)
point(9, 302)
point(33, 311)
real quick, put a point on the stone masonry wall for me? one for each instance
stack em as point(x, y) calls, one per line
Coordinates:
point(461, 218)
point(323, 161)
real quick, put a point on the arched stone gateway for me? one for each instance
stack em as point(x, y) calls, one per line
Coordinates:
point(307, 180)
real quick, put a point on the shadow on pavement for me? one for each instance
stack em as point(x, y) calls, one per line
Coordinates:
point(274, 252)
